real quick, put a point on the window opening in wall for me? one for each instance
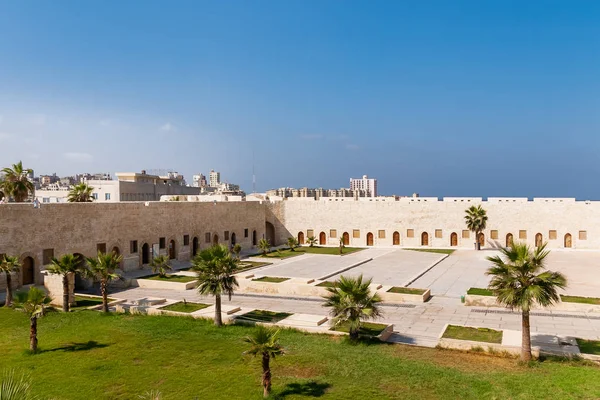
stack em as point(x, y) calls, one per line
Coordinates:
point(48, 255)
point(356, 233)
point(101, 247)
point(410, 233)
point(522, 234)
point(552, 235)
point(133, 246)
point(226, 235)
point(310, 233)
point(207, 237)
point(438, 233)
point(332, 233)
point(162, 243)
point(494, 234)
point(466, 234)
point(582, 235)
point(246, 232)
point(186, 240)
point(381, 234)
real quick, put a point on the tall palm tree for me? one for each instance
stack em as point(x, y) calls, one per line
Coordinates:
point(520, 280)
point(476, 219)
point(215, 268)
point(161, 264)
point(102, 269)
point(8, 265)
point(292, 242)
point(66, 266)
point(81, 193)
point(33, 303)
point(264, 342)
point(264, 246)
point(311, 241)
point(16, 183)
point(351, 301)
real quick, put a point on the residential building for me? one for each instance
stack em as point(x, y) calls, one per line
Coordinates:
point(364, 183)
point(214, 178)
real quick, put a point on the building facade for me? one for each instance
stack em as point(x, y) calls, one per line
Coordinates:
point(365, 183)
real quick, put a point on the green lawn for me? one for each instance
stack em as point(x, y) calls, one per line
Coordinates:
point(82, 302)
point(475, 334)
point(480, 292)
point(263, 316)
point(309, 250)
point(171, 278)
point(578, 299)
point(186, 307)
point(367, 329)
point(439, 251)
point(119, 357)
point(589, 346)
point(271, 279)
point(326, 284)
point(247, 265)
point(405, 290)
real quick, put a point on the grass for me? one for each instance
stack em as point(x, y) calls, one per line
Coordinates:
point(263, 316)
point(186, 307)
point(247, 265)
point(171, 278)
point(367, 329)
point(271, 279)
point(589, 346)
point(120, 357)
point(474, 334)
point(82, 302)
point(405, 290)
point(438, 251)
point(309, 250)
point(326, 284)
point(578, 299)
point(480, 292)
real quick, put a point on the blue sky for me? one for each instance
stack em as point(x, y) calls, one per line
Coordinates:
point(443, 98)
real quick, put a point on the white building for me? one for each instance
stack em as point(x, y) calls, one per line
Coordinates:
point(364, 183)
point(214, 178)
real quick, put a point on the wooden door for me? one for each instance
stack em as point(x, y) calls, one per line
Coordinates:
point(453, 239)
point(538, 240)
point(424, 239)
point(300, 237)
point(369, 239)
point(322, 238)
point(27, 266)
point(568, 241)
point(509, 240)
point(396, 239)
point(346, 237)
point(481, 240)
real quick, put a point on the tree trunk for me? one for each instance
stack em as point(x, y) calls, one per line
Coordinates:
point(266, 376)
point(65, 306)
point(9, 294)
point(104, 295)
point(218, 319)
point(33, 342)
point(477, 241)
point(526, 340)
point(354, 335)
point(341, 250)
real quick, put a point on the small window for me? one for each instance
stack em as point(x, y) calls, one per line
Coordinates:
point(186, 240)
point(381, 234)
point(106, 196)
point(246, 232)
point(522, 234)
point(310, 233)
point(466, 233)
point(552, 235)
point(494, 234)
point(207, 237)
point(95, 196)
point(356, 233)
point(162, 243)
point(48, 255)
point(410, 233)
point(582, 235)
point(46, 200)
point(226, 235)
point(332, 233)
point(133, 246)
point(438, 233)
point(101, 247)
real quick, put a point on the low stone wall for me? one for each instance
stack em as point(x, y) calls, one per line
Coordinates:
point(54, 286)
point(291, 287)
point(467, 345)
point(389, 297)
point(387, 332)
point(490, 301)
point(157, 284)
point(481, 301)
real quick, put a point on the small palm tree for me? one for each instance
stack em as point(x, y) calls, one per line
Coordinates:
point(351, 302)
point(13, 387)
point(292, 243)
point(237, 249)
point(519, 280)
point(8, 265)
point(264, 246)
point(66, 266)
point(476, 219)
point(342, 245)
point(33, 303)
point(264, 342)
point(81, 193)
point(16, 182)
point(102, 269)
point(311, 241)
point(161, 264)
point(215, 268)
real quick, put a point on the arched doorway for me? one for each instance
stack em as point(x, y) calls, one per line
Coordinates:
point(322, 238)
point(396, 239)
point(424, 239)
point(300, 237)
point(481, 239)
point(172, 254)
point(270, 233)
point(145, 254)
point(568, 241)
point(27, 271)
point(369, 239)
point(538, 240)
point(453, 239)
point(253, 238)
point(509, 240)
point(194, 246)
point(233, 239)
point(215, 239)
point(346, 237)
point(80, 282)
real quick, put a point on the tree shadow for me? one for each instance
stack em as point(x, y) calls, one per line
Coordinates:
point(307, 389)
point(92, 344)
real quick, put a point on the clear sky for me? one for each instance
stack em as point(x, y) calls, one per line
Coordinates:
point(443, 98)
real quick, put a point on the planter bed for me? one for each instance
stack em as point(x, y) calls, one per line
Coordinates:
point(370, 329)
point(326, 284)
point(271, 279)
point(186, 307)
point(172, 278)
point(399, 294)
point(405, 290)
point(263, 316)
point(579, 299)
point(437, 251)
point(484, 335)
point(480, 292)
point(248, 265)
point(84, 302)
point(177, 282)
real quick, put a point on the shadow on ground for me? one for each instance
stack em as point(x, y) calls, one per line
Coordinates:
point(92, 344)
point(308, 389)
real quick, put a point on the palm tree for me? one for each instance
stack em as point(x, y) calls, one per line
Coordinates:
point(351, 302)
point(264, 246)
point(16, 182)
point(8, 265)
point(342, 245)
point(292, 242)
point(81, 193)
point(13, 387)
point(33, 303)
point(520, 280)
point(265, 342)
point(476, 220)
point(102, 269)
point(311, 241)
point(215, 268)
point(237, 249)
point(161, 264)
point(67, 265)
